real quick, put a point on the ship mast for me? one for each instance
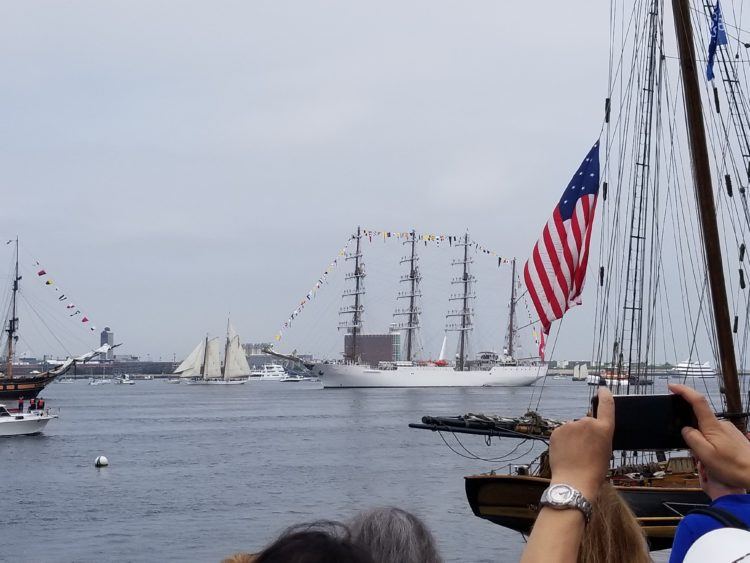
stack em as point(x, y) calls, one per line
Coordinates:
point(465, 313)
point(356, 309)
point(707, 209)
point(205, 356)
point(13, 320)
point(511, 319)
point(226, 353)
point(412, 312)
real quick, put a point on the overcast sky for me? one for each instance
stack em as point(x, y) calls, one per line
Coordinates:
point(171, 162)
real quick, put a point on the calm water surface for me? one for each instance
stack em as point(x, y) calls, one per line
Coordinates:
point(198, 472)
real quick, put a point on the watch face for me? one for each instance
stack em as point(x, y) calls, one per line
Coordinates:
point(560, 494)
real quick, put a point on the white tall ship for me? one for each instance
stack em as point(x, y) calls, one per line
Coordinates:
point(500, 372)
point(693, 369)
point(203, 366)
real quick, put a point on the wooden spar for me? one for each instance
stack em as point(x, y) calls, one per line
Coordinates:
point(707, 208)
point(511, 328)
point(11, 330)
point(412, 297)
point(465, 304)
point(357, 283)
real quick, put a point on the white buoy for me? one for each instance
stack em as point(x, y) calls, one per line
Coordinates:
point(101, 461)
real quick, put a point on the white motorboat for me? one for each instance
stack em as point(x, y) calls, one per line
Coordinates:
point(124, 380)
point(100, 381)
point(693, 369)
point(23, 424)
point(269, 372)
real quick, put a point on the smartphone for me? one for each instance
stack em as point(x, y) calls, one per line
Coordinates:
point(649, 422)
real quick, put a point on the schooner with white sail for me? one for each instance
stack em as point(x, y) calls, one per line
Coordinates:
point(203, 365)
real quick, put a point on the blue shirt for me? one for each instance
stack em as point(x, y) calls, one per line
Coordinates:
point(694, 526)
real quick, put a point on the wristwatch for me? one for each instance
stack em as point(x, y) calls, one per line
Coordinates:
point(560, 497)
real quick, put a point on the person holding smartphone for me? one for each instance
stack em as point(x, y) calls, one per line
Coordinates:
point(579, 457)
point(730, 506)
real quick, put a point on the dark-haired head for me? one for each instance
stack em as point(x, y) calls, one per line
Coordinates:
point(316, 542)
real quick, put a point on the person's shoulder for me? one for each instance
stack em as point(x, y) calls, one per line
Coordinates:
point(699, 524)
point(739, 505)
point(729, 500)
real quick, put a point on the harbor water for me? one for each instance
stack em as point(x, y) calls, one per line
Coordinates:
point(199, 472)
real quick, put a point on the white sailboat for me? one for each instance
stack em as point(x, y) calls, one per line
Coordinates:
point(503, 372)
point(580, 372)
point(203, 365)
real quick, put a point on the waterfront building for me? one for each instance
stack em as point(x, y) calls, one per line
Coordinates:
point(108, 337)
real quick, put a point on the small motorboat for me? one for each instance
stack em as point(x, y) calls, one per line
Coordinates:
point(125, 380)
point(101, 381)
point(298, 378)
point(23, 423)
point(292, 379)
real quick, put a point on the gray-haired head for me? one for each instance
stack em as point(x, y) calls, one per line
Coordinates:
point(393, 535)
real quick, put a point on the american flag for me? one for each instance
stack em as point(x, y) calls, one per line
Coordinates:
point(555, 273)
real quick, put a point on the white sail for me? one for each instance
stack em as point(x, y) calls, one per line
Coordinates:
point(62, 368)
point(235, 362)
point(584, 371)
point(191, 366)
point(103, 349)
point(443, 349)
point(576, 372)
point(212, 368)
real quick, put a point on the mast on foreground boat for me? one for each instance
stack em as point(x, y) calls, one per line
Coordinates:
point(668, 489)
point(707, 211)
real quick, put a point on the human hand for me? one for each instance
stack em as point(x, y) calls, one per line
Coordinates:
point(579, 451)
point(719, 444)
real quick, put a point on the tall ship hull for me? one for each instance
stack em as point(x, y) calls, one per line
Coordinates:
point(512, 501)
point(27, 386)
point(338, 376)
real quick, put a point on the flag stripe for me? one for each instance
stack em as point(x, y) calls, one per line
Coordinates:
point(556, 271)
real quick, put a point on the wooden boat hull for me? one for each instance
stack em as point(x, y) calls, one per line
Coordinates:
point(512, 501)
point(26, 386)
